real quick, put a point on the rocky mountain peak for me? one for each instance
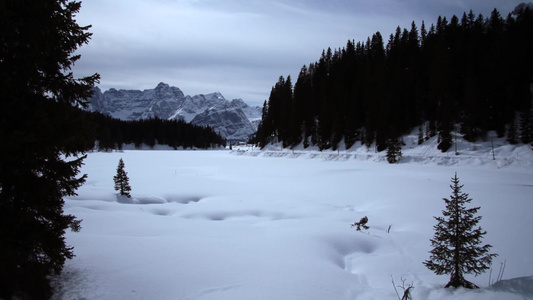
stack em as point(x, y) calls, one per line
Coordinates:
point(234, 119)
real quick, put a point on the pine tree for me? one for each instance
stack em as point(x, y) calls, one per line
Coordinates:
point(526, 127)
point(445, 138)
point(122, 183)
point(456, 244)
point(43, 139)
point(394, 150)
point(512, 136)
point(420, 135)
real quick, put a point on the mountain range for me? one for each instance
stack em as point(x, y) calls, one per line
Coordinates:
point(233, 120)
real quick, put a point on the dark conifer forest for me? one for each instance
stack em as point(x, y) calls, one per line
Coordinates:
point(112, 134)
point(470, 74)
point(105, 133)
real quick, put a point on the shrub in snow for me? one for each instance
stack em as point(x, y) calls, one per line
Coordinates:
point(406, 290)
point(456, 244)
point(361, 224)
point(122, 181)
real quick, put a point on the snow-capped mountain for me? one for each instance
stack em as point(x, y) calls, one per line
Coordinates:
point(234, 120)
point(228, 119)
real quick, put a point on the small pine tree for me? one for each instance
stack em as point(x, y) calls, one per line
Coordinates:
point(445, 140)
point(122, 181)
point(394, 151)
point(420, 135)
point(511, 133)
point(526, 127)
point(456, 250)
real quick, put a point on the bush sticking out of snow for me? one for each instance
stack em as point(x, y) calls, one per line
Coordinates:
point(361, 224)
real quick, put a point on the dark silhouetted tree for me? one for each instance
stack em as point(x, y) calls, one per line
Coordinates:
point(456, 244)
point(512, 136)
point(420, 135)
point(394, 150)
point(122, 182)
point(526, 127)
point(43, 137)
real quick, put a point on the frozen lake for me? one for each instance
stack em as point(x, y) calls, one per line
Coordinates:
point(230, 225)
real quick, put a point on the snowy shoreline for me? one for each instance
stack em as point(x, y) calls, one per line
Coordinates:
point(474, 154)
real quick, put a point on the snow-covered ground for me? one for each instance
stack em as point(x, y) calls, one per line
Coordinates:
point(245, 224)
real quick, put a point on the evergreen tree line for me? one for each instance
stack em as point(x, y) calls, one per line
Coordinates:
point(471, 75)
point(113, 133)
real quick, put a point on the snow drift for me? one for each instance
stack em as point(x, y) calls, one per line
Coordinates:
point(248, 225)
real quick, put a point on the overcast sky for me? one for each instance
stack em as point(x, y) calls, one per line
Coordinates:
point(238, 47)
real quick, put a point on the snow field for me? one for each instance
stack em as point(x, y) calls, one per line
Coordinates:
point(217, 225)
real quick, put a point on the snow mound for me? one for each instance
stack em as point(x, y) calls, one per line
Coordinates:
point(520, 285)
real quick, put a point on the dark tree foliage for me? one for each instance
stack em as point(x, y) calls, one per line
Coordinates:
point(43, 136)
point(420, 135)
point(113, 133)
point(471, 71)
point(526, 127)
point(394, 150)
point(122, 182)
point(456, 244)
point(512, 136)
point(275, 124)
point(445, 138)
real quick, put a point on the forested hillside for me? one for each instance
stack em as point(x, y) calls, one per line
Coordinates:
point(106, 133)
point(470, 74)
point(113, 133)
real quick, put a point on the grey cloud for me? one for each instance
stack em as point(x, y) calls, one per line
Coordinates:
point(237, 47)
